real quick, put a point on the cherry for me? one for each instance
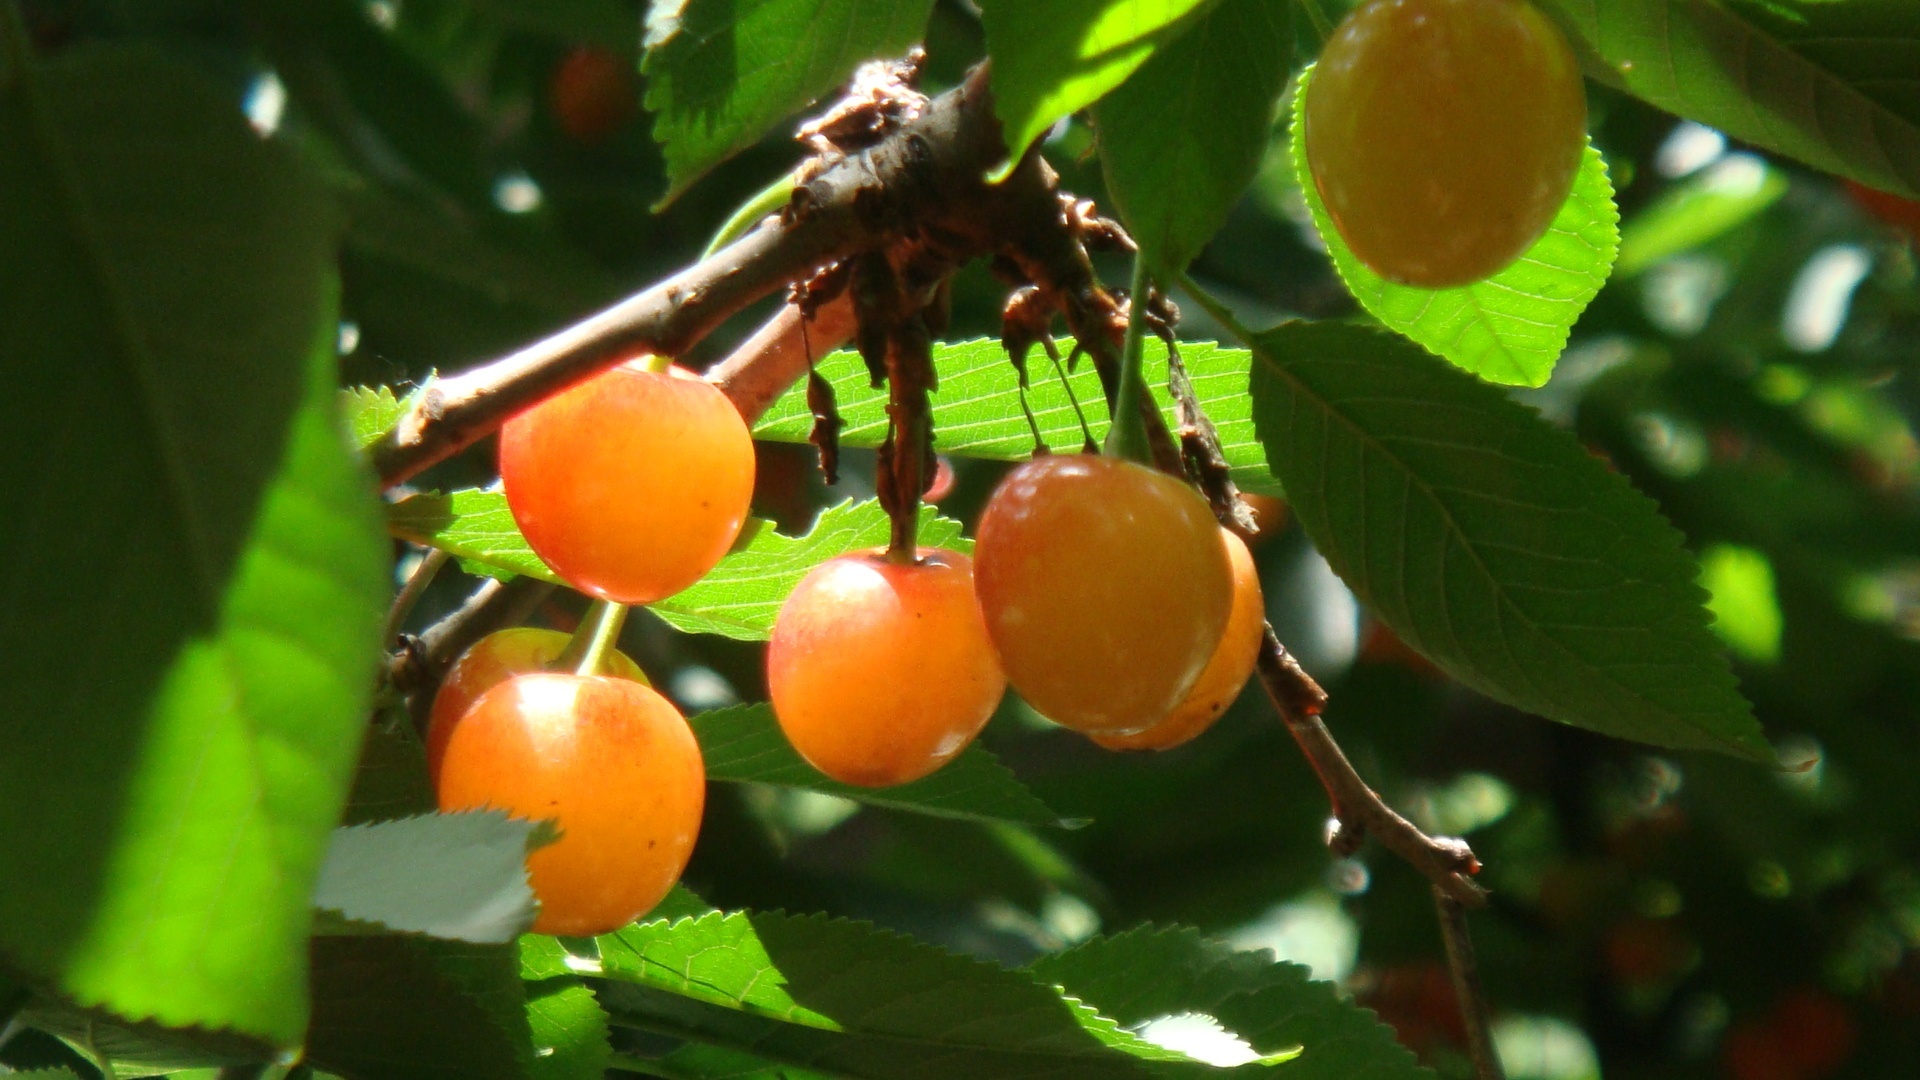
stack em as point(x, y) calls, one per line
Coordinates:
point(493, 660)
point(1105, 588)
point(632, 484)
point(1220, 681)
point(1444, 135)
point(612, 762)
point(592, 94)
point(880, 672)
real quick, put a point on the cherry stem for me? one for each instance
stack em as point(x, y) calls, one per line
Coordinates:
point(659, 363)
point(586, 653)
point(1127, 437)
point(410, 593)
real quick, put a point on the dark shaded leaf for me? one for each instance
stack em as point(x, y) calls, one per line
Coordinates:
point(1492, 542)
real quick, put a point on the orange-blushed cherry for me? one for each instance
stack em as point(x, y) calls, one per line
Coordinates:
point(632, 484)
point(1220, 681)
point(881, 671)
point(1105, 589)
point(611, 762)
point(1444, 135)
point(493, 660)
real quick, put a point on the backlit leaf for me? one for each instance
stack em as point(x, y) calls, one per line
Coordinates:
point(1511, 327)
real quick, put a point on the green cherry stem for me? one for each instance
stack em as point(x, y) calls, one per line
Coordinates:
point(1127, 437)
point(586, 653)
point(659, 363)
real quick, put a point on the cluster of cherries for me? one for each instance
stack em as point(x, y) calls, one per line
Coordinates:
point(1102, 590)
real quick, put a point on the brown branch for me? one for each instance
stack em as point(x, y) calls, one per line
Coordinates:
point(1358, 810)
point(754, 375)
point(411, 592)
point(923, 181)
point(1465, 969)
point(422, 660)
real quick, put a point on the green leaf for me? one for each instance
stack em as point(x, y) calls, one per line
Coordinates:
point(737, 599)
point(457, 876)
point(742, 595)
point(407, 1008)
point(473, 524)
point(852, 1000)
point(569, 1031)
point(196, 569)
point(1149, 973)
point(371, 412)
point(976, 411)
point(125, 1049)
point(1829, 84)
point(1051, 60)
point(1184, 135)
point(722, 73)
point(1699, 209)
point(744, 744)
point(1511, 327)
point(1493, 542)
point(391, 780)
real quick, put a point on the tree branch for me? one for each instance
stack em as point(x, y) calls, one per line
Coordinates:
point(1465, 968)
point(922, 185)
point(1358, 810)
point(754, 375)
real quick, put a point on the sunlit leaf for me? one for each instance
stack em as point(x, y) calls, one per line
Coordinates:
point(976, 411)
point(1056, 58)
point(737, 599)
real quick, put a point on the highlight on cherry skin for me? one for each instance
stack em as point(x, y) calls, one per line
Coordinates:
point(1444, 135)
point(1105, 588)
point(632, 484)
point(612, 763)
point(1225, 674)
point(881, 671)
point(494, 659)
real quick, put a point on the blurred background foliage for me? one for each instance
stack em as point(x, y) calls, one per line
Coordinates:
point(1750, 365)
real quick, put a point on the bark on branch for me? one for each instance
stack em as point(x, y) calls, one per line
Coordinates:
point(923, 185)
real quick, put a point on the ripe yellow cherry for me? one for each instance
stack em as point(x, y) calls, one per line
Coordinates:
point(632, 484)
point(493, 660)
point(881, 672)
point(1105, 588)
point(1444, 135)
point(612, 762)
point(1233, 660)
